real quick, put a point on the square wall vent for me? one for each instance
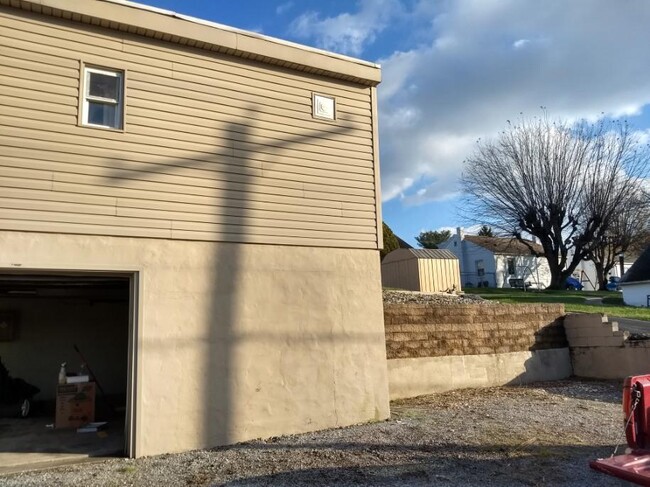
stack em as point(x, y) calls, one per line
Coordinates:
point(324, 107)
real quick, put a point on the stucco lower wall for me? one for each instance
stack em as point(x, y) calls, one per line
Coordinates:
point(238, 341)
point(412, 377)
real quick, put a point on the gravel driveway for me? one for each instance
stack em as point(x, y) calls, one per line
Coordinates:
point(527, 435)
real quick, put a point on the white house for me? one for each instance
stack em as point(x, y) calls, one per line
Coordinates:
point(635, 283)
point(494, 261)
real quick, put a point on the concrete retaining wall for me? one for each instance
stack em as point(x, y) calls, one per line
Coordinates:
point(600, 351)
point(438, 348)
point(418, 376)
point(424, 330)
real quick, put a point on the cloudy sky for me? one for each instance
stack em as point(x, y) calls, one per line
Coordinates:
point(456, 71)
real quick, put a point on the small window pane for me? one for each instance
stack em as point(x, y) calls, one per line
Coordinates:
point(480, 269)
point(104, 86)
point(101, 114)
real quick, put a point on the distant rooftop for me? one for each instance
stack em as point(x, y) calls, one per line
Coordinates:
point(640, 270)
point(506, 245)
point(432, 253)
point(407, 254)
point(403, 244)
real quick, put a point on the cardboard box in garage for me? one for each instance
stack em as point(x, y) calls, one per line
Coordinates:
point(75, 405)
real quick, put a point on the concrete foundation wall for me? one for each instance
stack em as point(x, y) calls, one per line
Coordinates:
point(47, 330)
point(440, 348)
point(238, 341)
point(418, 376)
point(600, 351)
point(611, 362)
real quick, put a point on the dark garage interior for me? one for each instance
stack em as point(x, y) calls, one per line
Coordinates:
point(47, 319)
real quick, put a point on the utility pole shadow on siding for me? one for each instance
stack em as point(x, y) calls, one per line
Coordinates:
point(220, 370)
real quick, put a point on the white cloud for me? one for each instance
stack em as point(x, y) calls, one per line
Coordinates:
point(520, 43)
point(347, 33)
point(474, 229)
point(485, 62)
point(284, 7)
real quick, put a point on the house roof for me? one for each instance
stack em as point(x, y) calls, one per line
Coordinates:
point(640, 270)
point(407, 254)
point(506, 246)
point(403, 244)
point(432, 253)
point(126, 16)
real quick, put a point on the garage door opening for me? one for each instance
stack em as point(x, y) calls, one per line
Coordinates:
point(82, 320)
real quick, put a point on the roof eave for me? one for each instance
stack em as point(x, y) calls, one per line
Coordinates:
point(626, 283)
point(166, 25)
point(515, 254)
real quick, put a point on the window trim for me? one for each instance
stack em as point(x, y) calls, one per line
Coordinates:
point(85, 98)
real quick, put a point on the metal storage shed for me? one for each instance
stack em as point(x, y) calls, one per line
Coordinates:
point(426, 270)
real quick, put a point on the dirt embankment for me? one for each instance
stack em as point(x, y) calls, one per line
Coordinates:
point(402, 297)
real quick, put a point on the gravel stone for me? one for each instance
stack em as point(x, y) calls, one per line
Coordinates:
point(401, 297)
point(539, 434)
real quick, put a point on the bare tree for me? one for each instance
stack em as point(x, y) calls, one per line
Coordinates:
point(562, 183)
point(628, 231)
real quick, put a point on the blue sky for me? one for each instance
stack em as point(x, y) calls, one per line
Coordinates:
point(456, 71)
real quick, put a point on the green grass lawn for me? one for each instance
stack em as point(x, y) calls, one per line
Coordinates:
point(575, 301)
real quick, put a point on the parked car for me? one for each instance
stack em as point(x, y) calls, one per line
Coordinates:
point(572, 284)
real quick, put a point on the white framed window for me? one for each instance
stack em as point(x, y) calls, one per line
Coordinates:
point(103, 98)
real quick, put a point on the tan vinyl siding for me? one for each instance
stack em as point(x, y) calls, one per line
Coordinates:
point(214, 147)
point(401, 274)
point(439, 275)
point(424, 270)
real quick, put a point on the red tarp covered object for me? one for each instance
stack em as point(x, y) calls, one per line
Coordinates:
point(634, 466)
